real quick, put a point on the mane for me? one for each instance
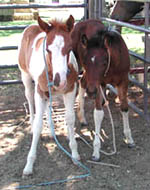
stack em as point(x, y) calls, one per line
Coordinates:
point(94, 42)
point(112, 36)
point(59, 25)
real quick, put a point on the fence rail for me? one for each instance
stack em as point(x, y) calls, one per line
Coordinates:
point(39, 6)
point(144, 113)
point(8, 47)
point(13, 27)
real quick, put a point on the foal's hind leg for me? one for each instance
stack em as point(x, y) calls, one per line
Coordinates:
point(69, 100)
point(122, 93)
point(29, 93)
point(81, 100)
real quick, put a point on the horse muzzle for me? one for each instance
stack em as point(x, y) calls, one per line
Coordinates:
point(58, 83)
point(92, 92)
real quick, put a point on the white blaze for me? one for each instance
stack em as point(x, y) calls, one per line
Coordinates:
point(59, 61)
point(93, 59)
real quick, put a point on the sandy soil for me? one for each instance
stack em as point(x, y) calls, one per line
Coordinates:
point(133, 172)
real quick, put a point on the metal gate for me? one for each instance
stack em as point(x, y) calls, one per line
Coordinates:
point(146, 59)
point(145, 112)
point(34, 6)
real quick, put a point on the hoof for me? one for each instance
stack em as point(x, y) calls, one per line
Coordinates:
point(75, 161)
point(25, 175)
point(95, 159)
point(131, 145)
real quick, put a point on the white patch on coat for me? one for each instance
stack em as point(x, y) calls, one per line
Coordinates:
point(37, 64)
point(93, 58)
point(126, 128)
point(98, 118)
point(73, 61)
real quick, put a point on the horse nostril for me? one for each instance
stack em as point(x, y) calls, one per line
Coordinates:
point(57, 79)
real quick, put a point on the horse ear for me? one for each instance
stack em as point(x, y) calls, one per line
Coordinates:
point(70, 23)
point(43, 25)
point(84, 40)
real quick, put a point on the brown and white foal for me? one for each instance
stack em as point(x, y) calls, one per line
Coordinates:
point(62, 71)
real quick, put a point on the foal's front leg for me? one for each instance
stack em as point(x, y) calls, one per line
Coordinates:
point(98, 118)
point(37, 128)
point(69, 99)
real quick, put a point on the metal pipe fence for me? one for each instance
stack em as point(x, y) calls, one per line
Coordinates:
point(34, 6)
point(146, 59)
point(39, 6)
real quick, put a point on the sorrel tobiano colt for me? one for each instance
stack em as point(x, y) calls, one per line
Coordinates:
point(105, 61)
point(62, 71)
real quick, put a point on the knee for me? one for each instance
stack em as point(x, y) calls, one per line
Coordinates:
point(124, 107)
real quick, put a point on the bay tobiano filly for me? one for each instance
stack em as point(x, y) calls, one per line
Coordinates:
point(62, 72)
point(106, 61)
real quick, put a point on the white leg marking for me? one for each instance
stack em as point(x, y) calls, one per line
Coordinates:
point(69, 100)
point(98, 117)
point(48, 118)
point(126, 128)
point(29, 93)
point(37, 128)
point(80, 111)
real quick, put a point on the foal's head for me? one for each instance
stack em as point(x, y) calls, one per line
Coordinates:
point(98, 58)
point(58, 47)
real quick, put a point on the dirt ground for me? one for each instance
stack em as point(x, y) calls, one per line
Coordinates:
point(52, 164)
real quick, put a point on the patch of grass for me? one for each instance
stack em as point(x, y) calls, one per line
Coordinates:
point(130, 31)
point(7, 33)
point(125, 30)
point(139, 51)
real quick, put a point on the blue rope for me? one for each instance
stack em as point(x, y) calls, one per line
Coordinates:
point(88, 172)
point(52, 125)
